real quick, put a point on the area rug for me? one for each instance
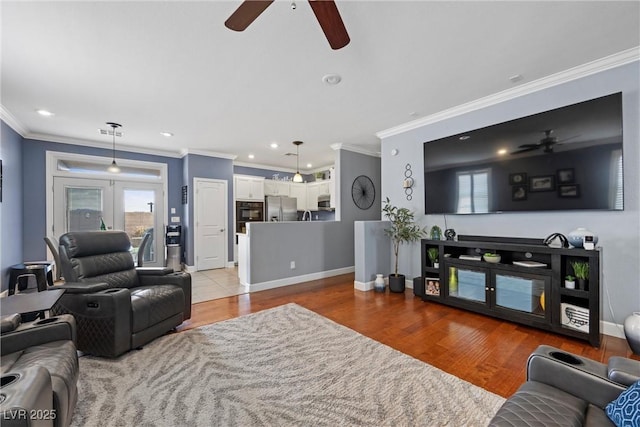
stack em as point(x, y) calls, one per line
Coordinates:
point(285, 366)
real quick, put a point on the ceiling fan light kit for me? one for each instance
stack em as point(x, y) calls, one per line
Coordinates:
point(326, 13)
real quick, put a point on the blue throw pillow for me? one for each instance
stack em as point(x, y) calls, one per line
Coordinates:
point(625, 410)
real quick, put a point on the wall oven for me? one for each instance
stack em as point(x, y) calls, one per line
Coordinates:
point(248, 212)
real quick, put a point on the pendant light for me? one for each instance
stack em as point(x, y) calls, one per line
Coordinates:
point(297, 177)
point(114, 168)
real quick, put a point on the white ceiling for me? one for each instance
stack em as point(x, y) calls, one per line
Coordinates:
point(173, 66)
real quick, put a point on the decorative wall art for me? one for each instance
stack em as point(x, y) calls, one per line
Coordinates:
point(542, 183)
point(565, 176)
point(518, 178)
point(572, 190)
point(518, 193)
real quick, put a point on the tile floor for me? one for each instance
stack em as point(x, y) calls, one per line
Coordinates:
point(213, 284)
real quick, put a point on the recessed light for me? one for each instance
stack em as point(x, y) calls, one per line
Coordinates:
point(251, 156)
point(309, 165)
point(502, 151)
point(167, 134)
point(273, 145)
point(45, 113)
point(332, 79)
point(464, 137)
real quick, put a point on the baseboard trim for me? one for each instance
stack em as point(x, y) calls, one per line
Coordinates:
point(261, 286)
point(363, 286)
point(612, 329)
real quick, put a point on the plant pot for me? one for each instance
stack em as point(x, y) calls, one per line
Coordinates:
point(570, 284)
point(583, 284)
point(436, 264)
point(396, 283)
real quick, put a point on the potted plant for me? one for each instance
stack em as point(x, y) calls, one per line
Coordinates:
point(570, 282)
point(436, 233)
point(433, 254)
point(581, 270)
point(403, 229)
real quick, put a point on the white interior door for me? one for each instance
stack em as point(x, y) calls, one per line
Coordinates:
point(210, 212)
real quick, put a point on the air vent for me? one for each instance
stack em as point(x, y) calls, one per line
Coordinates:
point(109, 132)
point(290, 154)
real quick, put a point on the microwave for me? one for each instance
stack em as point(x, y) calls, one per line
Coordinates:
point(324, 203)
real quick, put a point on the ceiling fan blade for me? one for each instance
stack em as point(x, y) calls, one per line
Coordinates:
point(246, 13)
point(331, 23)
point(532, 146)
point(524, 150)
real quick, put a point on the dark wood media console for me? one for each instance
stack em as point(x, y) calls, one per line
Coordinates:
point(532, 293)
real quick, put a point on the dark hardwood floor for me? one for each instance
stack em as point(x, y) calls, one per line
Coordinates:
point(488, 352)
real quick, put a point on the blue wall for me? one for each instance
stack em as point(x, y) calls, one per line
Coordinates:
point(197, 166)
point(11, 207)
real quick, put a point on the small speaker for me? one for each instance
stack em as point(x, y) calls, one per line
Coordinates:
point(418, 286)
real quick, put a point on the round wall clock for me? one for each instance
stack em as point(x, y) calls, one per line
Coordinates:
point(363, 192)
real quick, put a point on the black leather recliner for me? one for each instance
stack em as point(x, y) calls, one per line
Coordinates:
point(117, 306)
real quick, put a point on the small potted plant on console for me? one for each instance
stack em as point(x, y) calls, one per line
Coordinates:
point(581, 270)
point(570, 282)
point(433, 254)
point(403, 229)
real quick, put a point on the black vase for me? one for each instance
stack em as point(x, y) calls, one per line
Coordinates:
point(396, 283)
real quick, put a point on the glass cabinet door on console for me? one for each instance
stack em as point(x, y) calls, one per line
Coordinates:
point(521, 294)
point(466, 284)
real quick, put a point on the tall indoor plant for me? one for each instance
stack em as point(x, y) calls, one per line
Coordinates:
point(403, 229)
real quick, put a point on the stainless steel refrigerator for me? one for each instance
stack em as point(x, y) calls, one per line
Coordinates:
point(281, 208)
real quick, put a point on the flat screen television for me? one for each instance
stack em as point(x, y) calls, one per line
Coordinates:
point(569, 158)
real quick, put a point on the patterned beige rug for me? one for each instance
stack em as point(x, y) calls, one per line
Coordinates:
point(286, 366)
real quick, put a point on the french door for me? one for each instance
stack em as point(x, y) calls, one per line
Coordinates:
point(84, 204)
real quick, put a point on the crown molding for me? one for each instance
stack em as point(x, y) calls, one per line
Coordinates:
point(355, 149)
point(11, 121)
point(264, 167)
point(106, 146)
point(207, 153)
point(608, 62)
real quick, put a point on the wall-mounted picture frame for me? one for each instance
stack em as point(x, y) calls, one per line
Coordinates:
point(518, 193)
point(542, 183)
point(571, 190)
point(565, 176)
point(519, 178)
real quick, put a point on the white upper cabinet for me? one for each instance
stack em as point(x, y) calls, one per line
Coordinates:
point(276, 188)
point(248, 187)
point(299, 191)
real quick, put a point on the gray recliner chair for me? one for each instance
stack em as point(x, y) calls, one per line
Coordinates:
point(117, 307)
point(39, 371)
point(564, 389)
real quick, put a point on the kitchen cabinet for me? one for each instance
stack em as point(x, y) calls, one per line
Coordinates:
point(274, 187)
point(248, 188)
point(313, 191)
point(299, 191)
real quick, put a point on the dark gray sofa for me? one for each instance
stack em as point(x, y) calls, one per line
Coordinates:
point(117, 307)
point(564, 389)
point(39, 371)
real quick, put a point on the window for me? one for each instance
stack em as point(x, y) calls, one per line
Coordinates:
point(617, 193)
point(473, 191)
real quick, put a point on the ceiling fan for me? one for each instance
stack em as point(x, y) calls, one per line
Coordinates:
point(326, 13)
point(546, 143)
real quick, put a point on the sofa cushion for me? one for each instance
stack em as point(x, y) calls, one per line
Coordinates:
point(625, 410)
point(153, 304)
point(537, 404)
